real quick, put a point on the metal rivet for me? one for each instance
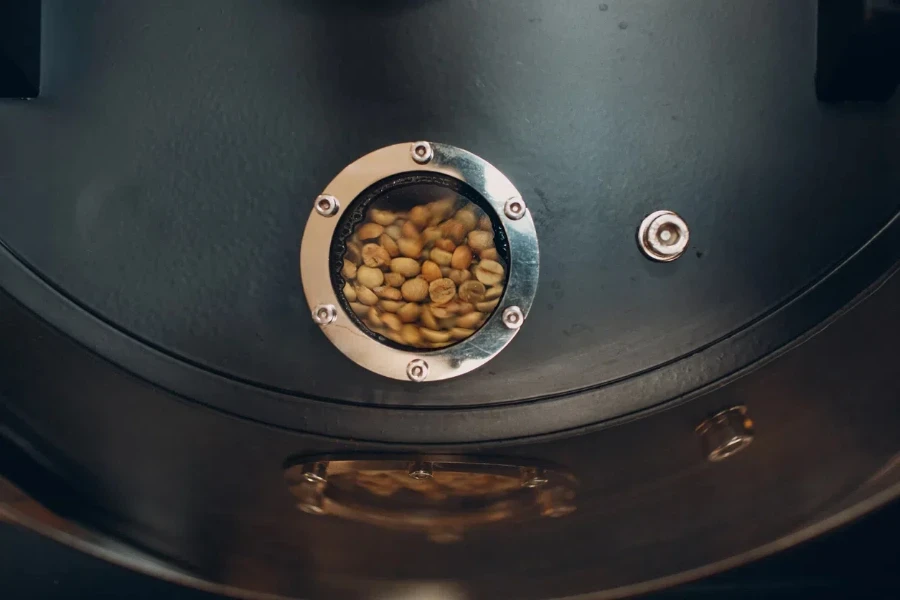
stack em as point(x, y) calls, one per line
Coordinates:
point(417, 370)
point(324, 314)
point(421, 470)
point(726, 433)
point(327, 206)
point(513, 317)
point(312, 498)
point(315, 472)
point(663, 236)
point(534, 478)
point(515, 208)
point(422, 152)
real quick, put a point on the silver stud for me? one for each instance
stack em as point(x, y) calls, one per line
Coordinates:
point(324, 314)
point(533, 478)
point(663, 236)
point(726, 433)
point(422, 152)
point(513, 317)
point(417, 370)
point(312, 497)
point(315, 472)
point(421, 470)
point(327, 206)
point(515, 208)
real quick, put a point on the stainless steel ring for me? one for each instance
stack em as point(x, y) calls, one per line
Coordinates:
point(521, 286)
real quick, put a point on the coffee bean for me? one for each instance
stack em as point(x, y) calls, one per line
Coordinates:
point(374, 255)
point(387, 293)
point(370, 231)
point(370, 277)
point(441, 257)
point(388, 243)
point(431, 271)
point(462, 258)
point(366, 296)
point(471, 291)
point(442, 290)
point(394, 279)
point(489, 272)
point(415, 290)
point(408, 267)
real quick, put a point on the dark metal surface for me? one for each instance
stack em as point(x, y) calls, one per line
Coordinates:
point(205, 491)
point(163, 180)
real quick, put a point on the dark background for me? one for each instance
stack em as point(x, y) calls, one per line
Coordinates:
point(857, 561)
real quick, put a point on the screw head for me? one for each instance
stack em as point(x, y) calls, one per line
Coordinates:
point(663, 236)
point(327, 206)
point(513, 317)
point(324, 314)
point(312, 498)
point(515, 208)
point(534, 478)
point(315, 472)
point(417, 370)
point(726, 433)
point(422, 152)
point(421, 471)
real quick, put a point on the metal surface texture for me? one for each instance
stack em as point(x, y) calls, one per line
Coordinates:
point(164, 235)
point(521, 285)
point(160, 360)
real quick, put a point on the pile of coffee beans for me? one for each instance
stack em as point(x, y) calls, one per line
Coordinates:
point(427, 277)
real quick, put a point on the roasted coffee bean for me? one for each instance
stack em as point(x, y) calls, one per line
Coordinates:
point(459, 277)
point(454, 230)
point(415, 290)
point(460, 333)
point(493, 292)
point(409, 230)
point(382, 217)
point(349, 293)
point(469, 321)
point(441, 257)
point(489, 272)
point(410, 248)
point(393, 232)
point(359, 308)
point(388, 243)
point(387, 293)
point(431, 235)
point(489, 254)
point(411, 335)
point(391, 305)
point(435, 336)
point(426, 317)
point(480, 240)
point(487, 305)
point(420, 215)
point(467, 218)
point(375, 256)
point(462, 258)
point(369, 276)
point(409, 312)
point(442, 290)
point(471, 291)
point(349, 270)
point(373, 318)
point(392, 321)
point(431, 271)
point(446, 245)
point(394, 279)
point(408, 267)
point(366, 296)
point(370, 231)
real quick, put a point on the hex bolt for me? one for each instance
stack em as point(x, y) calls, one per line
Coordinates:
point(515, 208)
point(417, 370)
point(513, 317)
point(726, 433)
point(327, 206)
point(534, 478)
point(421, 470)
point(422, 152)
point(311, 497)
point(315, 472)
point(663, 236)
point(324, 314)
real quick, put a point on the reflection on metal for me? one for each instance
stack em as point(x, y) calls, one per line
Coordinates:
point(663, 236)
point(726, 433)
point(439, 496)
point(499, 194)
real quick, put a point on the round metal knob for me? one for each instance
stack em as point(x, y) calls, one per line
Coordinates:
point(726, 433)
